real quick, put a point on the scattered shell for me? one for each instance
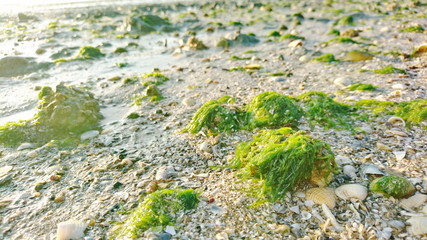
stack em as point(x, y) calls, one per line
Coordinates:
point(396, 133)
point(382, 146)
point(89, 134)
point(413, 202)
point(318, 178)
point(24, 146)
point(321, 196)
point(32, 154)
point(350, 171)
point(393, 120)
point(396, 224)
point(305, 215)
point(399, 155)
point(348, 191)
point(371, 170)
point(5, 170)
point(295, 43)
point(189, 102)
point(70, 229)
point(205, 147)
point(331, 217)
point(418, 225)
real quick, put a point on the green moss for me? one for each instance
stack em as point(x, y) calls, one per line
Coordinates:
point(273, 109)
point(334, 32)
point(282, 160)
point(235, 23)
point(328, 58)
point(346, 20)
point(120, 50)
point(122, 64)
point(217, 116)
point(89, 52)
point(375, 106)
point(412, 111)
point(323, 110)
point(291, 37)
point(389, 70)
point(277, 74)
point(14, 133)
point(159, 209)
point(159, 79)
point(237, 58)
point(356, 56)
point(394, 186)
point(361, 87)
point(416, 29)
point(274, 34)
point(152, 94)
point(133, 115)
point(342, 40)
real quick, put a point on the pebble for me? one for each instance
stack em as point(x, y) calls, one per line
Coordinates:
point(32, 154)
point(170, 230)
point(342, 160)
point(277, 79)
point(24, 146)
point(399, 86)
point(5, 170)
point(205, 147)
point(295, 43)
point(189, 102)
point(343, 82)
point(89, 135)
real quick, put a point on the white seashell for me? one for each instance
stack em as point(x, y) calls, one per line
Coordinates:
point(396, 133)
point(331, 217)
point(418, 225)
point(413, 202)
point(24, 146)
point(342, 160)
point(396, 224)
point(321, 196)
point(89, 135)
point(370, 169)
point(70, 229)
point(305, 215)
point(205, 147)
point(295, 209)
point(349, 191)
point(5, 170)
point(393, 120)
point(399, 155)
point(350, 171)
point(382, 146)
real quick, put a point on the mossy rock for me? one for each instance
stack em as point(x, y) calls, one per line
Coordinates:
point(157, 78)
point(389, 70)
point(283, 159)
point(147, 24)
point(291, 37)
point(237, 39)
point(195, 44)
point(323, 110)
point(355, 56)
point(346, 20)
point(327, 58)
point(393, 186)
point(159, 209)
point(217, 116)
point(65, 113)
point(273, 109)
point(89, 52)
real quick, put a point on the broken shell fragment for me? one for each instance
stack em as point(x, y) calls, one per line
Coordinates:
point(371, 170)
point(70, 229)
point(322, 196)
point(418, 225)
point(399, 155)
point(394, 120)
point(413, 202)
point(349, 191)
point(331, 217)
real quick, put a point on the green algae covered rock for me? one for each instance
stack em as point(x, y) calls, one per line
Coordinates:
point(145, 24)
point(389, 70)
point(283, 159)
point(393, 186)
point(355, 56)
point(327, 58)
point(323, 110)
point(273, 109)
point(159, 209)
point(217, 116)
point(362, 87)
point(89, 52)
point(62, 114)
point(237, 39)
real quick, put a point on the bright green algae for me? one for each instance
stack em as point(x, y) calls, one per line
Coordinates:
point(323, 110)
point(85, 53)
point(62, 115)
point(283, 159)
point(273, 109)
point(361, 87)
point(394, 186)
point(389, 70)
point(157, 79)
point(328, 58)
point(159, 209)
point(217, 116)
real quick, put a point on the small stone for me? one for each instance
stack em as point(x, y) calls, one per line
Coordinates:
point(39, 186)
point(24, 146)
point(5, 170)
point(189, 102)
point(165, 172)
point(295, 43)
point(55, 178)
point(282, 228)
point(170, 230)
point(117, 185)
point(60, 198)
point(221, 236)
point(5, 179)
point(32, 154)
point(342, 160)
point(277, 79)
point(399, 86)
point(89, 135)
point(205, 147)
point(295, 209)
point(343, 82)
point(304, 58)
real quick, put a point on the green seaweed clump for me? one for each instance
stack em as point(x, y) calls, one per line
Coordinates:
point(392, 185)
point(273, 109)
point(346, 20)
point(158, 77)
point(159, 209)
point(152, 94)
point(282, 160)
point(342, 40)
point(375, 106)
point(389, 70)
point(289, 36)
point(89, 52)
point(62, 114)
point(216, 116)
point(322, 109)
point(362, 87)
point(416, 29)
point(412, 111)
point(328, 58)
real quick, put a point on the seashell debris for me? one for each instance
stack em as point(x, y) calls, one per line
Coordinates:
point(394, 119)
point(349, 191)
point(418, 225)
point(70, 229)
point(413, 202)
point(331, 218)
point(322, 196)
point(350, 171)
point(399, 155)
